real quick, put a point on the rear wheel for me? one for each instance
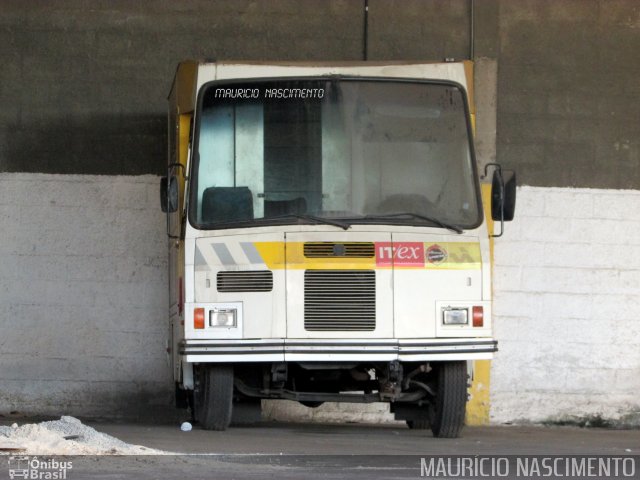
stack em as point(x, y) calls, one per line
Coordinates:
point(213, 397)
point(450, 402)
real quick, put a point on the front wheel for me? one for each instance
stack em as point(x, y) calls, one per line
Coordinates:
point(213, 397)
point(450, 402)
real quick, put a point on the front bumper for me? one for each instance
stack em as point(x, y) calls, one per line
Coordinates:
point(331, 350)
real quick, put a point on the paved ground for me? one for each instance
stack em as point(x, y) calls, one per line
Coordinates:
point(294, 451)
point(300, 439)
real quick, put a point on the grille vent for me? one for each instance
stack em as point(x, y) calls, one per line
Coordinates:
point(339, 300)
point(245, 281)
point(332, 249)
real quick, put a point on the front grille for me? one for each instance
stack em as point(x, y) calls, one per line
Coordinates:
point(344, 249)
point(340, 300)
point(245, 281)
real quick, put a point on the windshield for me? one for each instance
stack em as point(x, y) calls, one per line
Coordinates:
point(355, 151)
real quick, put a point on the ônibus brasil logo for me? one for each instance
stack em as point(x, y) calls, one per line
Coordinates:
point(21, 466)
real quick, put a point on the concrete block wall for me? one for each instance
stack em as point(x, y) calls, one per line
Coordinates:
point(567, 296)
point(83, 89)
point(84, 82)
point(567, 83)
point(83, 304)
point(83, 295)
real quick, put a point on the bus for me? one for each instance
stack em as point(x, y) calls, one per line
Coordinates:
point(327, 237)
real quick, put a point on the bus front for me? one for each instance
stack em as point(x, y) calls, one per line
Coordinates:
point(335, 245)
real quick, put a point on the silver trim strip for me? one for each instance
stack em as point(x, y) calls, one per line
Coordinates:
point(257, 358)
point(266, 350)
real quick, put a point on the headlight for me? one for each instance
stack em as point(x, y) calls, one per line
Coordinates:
point(455, 316)
point(223, 317)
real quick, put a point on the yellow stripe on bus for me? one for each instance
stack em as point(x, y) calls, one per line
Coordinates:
point(479, 405)
point(428, 256)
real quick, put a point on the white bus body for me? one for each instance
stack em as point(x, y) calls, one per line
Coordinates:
point(327, 237)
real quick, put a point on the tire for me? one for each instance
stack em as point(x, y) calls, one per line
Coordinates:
point(447, 417)
point(421, 424)
point(213, 399)
point(311, 403)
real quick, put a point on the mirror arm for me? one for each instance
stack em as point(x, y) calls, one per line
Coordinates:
point(493, 235)
point(498, 168)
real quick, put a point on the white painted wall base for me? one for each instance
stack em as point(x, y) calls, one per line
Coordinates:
point(567, 303)
point(83, 299)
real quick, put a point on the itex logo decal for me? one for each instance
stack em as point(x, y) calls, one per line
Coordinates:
point(436, 254)
point(404, 254)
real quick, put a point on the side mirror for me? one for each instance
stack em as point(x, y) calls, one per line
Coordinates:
point(169, 194)
point(503, 195)
point(509, 177)
point(163, 194)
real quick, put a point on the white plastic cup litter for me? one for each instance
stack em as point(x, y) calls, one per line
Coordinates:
point(185, 427)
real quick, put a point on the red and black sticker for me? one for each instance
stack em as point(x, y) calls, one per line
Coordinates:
point(436, 254)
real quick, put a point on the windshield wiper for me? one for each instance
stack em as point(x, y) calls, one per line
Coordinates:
point(440, 223)
point(313, 218)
